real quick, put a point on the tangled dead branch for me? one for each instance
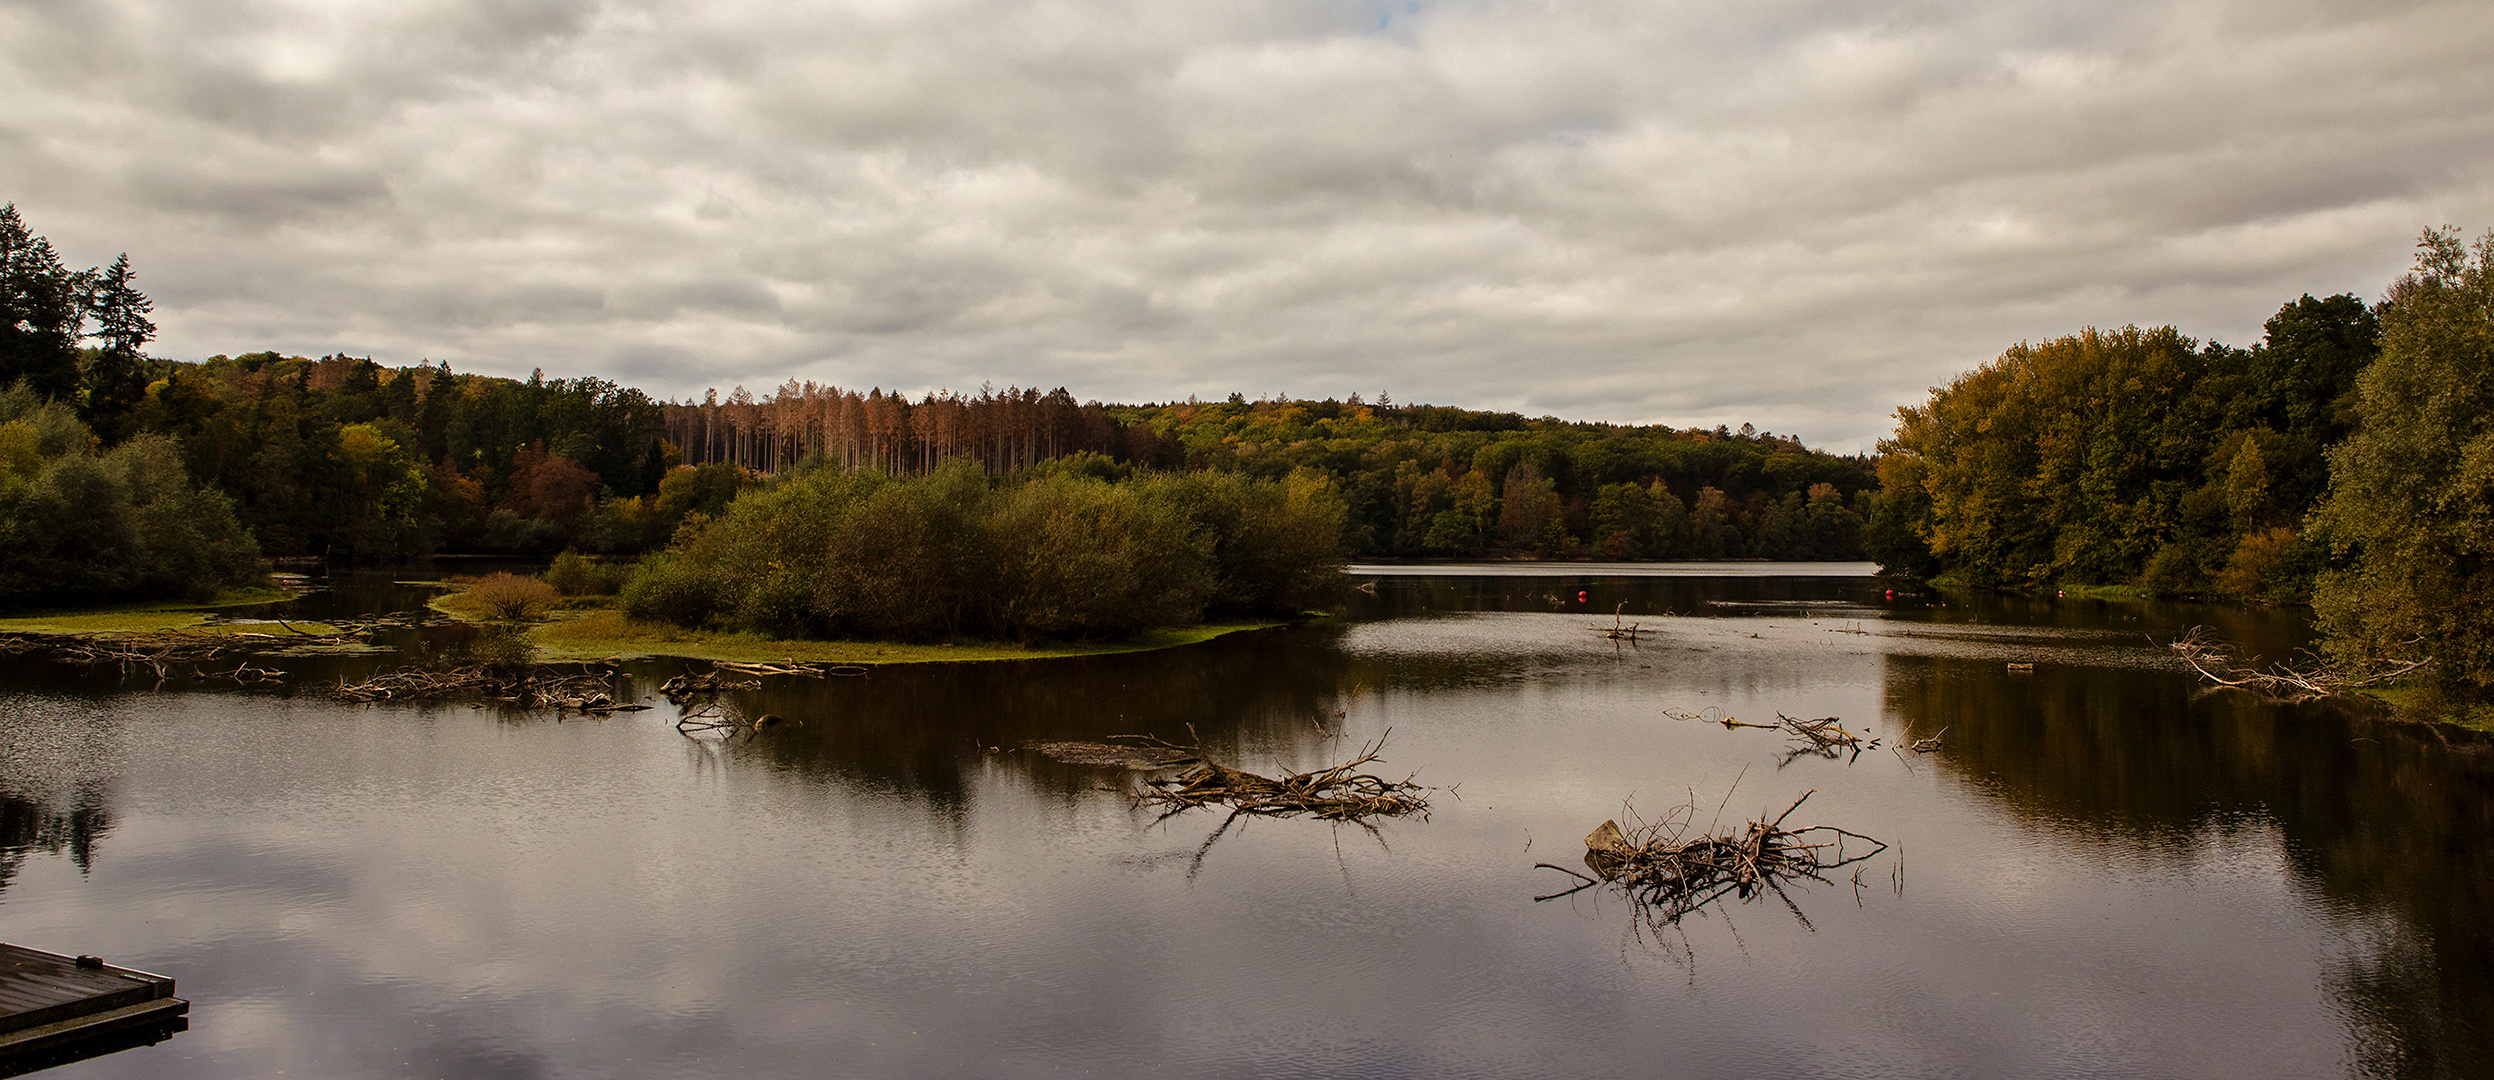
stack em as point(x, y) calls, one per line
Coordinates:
point(1824, 737)
point(1338, 793)
point(685, 688)
point(710, 717)
point(1711, 715)
point(527, 687)
point(2311, 677)
point(1667, 873)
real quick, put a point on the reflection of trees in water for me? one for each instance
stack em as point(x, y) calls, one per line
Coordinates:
point(2384, 819)
point(27, 826)
point(924, 728)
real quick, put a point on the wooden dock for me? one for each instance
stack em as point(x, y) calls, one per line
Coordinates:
point(57, 1009)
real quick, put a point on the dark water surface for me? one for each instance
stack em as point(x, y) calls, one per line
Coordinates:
point(2102, 873)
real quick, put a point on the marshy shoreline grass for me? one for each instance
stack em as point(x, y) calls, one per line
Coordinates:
point(575, 628)
point(607, 632)
point(139, 617)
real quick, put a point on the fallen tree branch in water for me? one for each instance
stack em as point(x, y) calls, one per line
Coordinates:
point(528, 687)
point(709, 716)
point(2213, 657)
point(1668, 874)
point(1708, 715)
point(684, 688)
point(1824, 737)
point(1337, 793)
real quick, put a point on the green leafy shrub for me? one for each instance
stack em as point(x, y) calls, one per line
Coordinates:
point(574, 574)
point(666, 589)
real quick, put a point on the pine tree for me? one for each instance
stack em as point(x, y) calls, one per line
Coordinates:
point(116, 374)
point(39, 312)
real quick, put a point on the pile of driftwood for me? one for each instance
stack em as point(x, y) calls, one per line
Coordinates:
point(529, 687)
point(688, 687)
point(1337, 793)
point(1668, 873)
point(788, 667)
point(2313, 677)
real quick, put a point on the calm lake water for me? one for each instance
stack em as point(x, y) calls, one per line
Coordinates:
point(2102, 872)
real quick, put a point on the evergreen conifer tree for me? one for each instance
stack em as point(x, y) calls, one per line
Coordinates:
point(39, 312)
point(116, 374)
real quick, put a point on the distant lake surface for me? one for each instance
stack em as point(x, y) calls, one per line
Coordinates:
point(1591, 571)
point(2102, 871)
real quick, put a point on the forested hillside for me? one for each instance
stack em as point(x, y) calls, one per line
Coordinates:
point(340, 457)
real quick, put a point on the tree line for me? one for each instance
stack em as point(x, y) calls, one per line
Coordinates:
point(1418, 481)
point(340, 457)
point(2346, 460)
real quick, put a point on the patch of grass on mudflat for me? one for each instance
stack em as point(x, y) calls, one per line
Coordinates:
point(136, 618)
point(608, 632)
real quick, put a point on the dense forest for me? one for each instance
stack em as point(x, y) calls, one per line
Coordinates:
point(2130, 457)
point(2346, 460)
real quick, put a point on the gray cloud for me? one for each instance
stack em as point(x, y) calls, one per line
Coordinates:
point(1798, 213)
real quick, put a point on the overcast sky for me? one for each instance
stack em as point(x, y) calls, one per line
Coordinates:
point(1794, 213)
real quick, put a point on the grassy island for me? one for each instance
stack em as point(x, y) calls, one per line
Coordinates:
point(1074, 558)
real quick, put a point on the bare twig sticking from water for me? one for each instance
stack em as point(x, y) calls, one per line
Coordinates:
point(1618, 631)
